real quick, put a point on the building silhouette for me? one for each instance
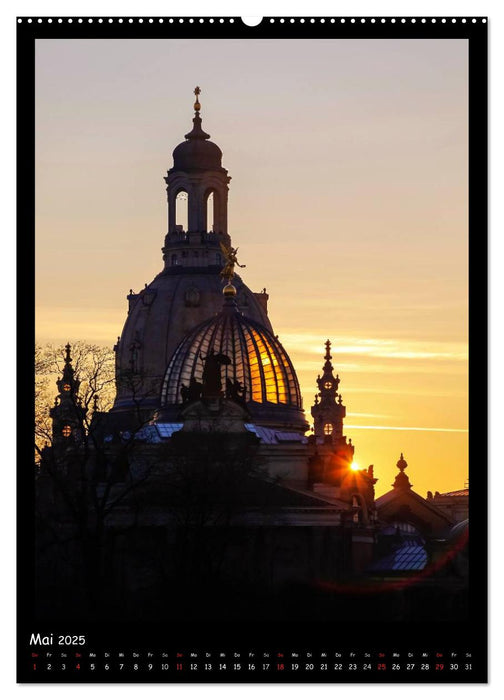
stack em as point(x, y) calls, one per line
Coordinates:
point(200, 479)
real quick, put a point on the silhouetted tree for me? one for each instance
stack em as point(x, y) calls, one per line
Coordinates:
point(93, 364)
point(82, 481)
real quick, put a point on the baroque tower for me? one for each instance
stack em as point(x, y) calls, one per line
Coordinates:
point(67, 413)
point(336, 454)
point(329, 411)
point(188, 290)
point(198, 178)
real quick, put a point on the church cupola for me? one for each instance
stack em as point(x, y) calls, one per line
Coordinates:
point(197, 191)
point(188, 290)
point(328, 410)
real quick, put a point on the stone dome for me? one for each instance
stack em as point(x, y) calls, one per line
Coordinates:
point(459, 532)
point(257, 361)
point(190, 155)
point(159, 317)
point(197, 152)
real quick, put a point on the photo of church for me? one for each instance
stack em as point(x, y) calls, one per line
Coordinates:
point(211, 479)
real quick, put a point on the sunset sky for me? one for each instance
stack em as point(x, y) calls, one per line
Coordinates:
point(348, 202)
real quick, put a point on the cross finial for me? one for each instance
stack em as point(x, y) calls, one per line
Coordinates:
point(328, 350)
point(197, 92)
point(401, 481)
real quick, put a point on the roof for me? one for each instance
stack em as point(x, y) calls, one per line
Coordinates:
point(399, 494)
point(410, 555)
point(197, 152)
point(393, 502)
point(157, 432)
point(270, 436)
point(449, 494)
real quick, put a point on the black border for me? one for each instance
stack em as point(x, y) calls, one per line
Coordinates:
point(470, 635)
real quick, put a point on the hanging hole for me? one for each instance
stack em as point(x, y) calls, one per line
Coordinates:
point(251, 21)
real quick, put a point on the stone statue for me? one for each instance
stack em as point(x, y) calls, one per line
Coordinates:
point(212, 384)
point(191, 392)
point(235, 391)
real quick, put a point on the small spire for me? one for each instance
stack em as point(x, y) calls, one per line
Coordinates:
point(402, 463)
point(68, 359)
point(197, 132)
point(401, 480)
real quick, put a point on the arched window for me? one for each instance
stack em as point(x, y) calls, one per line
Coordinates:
point(328, 429)
point(181, 202)
point(356, 506)
point(174, 260)
point(218, 259)
point(210, 208)
point(66, 431)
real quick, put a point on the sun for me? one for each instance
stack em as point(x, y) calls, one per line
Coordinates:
point(354, 467)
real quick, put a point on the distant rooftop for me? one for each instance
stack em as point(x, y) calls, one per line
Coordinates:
point(409, 556)
point(269, 436)
point(461, 492)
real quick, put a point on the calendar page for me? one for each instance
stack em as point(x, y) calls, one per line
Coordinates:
point(252, 344)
